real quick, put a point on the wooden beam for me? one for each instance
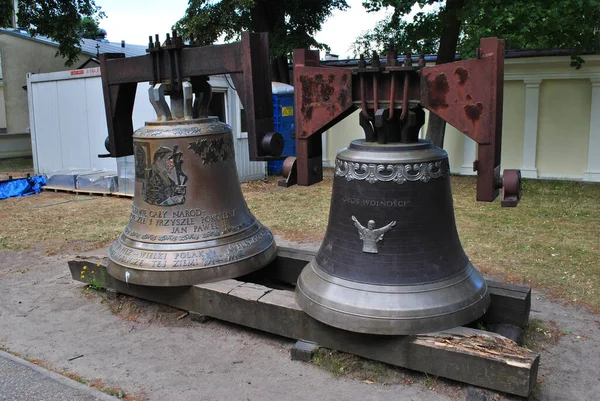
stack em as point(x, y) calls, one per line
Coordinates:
point(466, 355)
point(510, 304)
point(214, 60)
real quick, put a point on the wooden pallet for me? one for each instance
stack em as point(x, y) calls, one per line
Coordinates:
point(463, 354)
point(10, 178)
point(86, 192)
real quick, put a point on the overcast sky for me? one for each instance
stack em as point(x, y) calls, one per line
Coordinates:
point(134, 20)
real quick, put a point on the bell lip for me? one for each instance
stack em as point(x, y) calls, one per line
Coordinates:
point(331, 308)
point(193, 276)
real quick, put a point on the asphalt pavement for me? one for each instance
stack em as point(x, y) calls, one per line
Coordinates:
point(21, 380)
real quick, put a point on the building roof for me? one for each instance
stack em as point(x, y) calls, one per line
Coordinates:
point(89, 47)
point(431, 58)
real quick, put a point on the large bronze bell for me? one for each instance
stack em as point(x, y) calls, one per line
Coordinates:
point(391, 261)
point(189, 221)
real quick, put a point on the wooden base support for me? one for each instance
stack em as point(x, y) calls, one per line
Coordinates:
point(463, 354)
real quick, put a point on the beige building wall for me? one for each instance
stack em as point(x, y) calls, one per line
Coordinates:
point(454, 142)
point(563, 128)
point(551, 122)
point(340, 136)
point(513, 125)
point(16, 53)
point(454, 145)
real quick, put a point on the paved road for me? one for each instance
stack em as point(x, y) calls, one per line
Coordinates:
point(23, 381)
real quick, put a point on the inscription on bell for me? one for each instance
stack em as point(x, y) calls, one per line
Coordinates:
point(375, 202)
point(125, 255)
point(371, 235)
point(194, 258)
point(179, 220)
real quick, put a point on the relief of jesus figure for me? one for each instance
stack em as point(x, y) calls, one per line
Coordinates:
point(371, 235)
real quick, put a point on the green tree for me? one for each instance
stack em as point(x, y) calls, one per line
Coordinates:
point(59, 20)
point(88, 28)
point(457, 25)
point(291, 23)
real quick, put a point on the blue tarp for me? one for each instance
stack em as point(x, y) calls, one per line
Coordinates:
point(22, 187)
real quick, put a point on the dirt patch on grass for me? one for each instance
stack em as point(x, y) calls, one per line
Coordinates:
point(56, 222)
point(139, 311)
point(539, 335)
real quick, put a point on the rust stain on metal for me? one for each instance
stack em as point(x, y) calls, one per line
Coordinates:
point(327, 90)
point(437, 91)
point(462, 75)
point(343, 96)
point(317, 92)
point(306, 108)
point(473, 112)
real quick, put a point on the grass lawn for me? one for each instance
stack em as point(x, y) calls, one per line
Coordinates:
point(551, 240)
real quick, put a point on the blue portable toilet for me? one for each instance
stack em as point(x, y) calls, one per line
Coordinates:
point(283, 122)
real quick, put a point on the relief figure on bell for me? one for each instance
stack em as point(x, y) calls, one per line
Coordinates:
point(161, 187)
point(371, 235)
point(176, 159)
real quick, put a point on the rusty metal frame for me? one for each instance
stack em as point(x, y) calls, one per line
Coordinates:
point(247, 61)
point(468, 94)
point(322, 98)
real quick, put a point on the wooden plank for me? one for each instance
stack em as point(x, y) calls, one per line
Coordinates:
point(510, 304)
point(295, 253)
point(249, 291)
point(467, 355)
point(223, 286)
point(177, 297)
